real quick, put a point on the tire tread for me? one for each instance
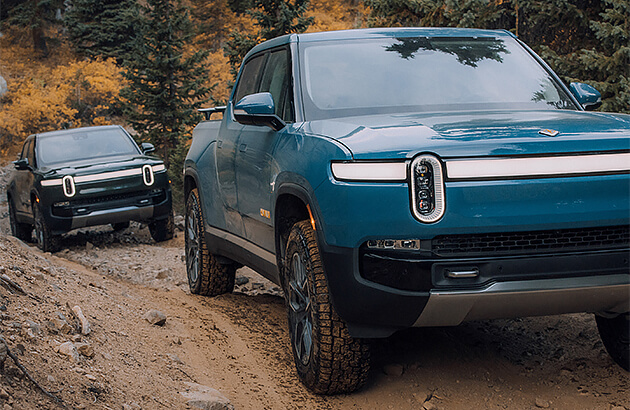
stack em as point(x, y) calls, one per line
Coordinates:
point(341, 364)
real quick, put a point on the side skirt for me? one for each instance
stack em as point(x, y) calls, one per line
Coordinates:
point(242, 251)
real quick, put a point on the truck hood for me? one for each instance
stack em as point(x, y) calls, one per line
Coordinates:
point(473, 134)
point(98, 165)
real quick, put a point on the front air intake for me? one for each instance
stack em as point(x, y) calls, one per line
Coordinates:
point(427, 189)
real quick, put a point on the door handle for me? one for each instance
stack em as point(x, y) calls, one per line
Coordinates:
point(242, 147)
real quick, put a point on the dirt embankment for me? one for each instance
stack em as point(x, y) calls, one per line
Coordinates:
point(238, 343)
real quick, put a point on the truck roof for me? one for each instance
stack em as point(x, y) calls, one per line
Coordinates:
point(358, 34)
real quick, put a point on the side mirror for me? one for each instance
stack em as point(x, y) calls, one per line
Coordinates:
point(21, 164)
point(258, 109)
point(586, 95)
point(147, 148)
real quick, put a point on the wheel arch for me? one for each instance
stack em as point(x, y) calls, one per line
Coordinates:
point(190, 182)
point(293, 203)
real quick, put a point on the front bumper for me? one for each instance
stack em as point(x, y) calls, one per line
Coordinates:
point(80, 212)
point(608, 293)
point(544, 285)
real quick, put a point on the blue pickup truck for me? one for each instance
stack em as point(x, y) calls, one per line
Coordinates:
point(391, 178)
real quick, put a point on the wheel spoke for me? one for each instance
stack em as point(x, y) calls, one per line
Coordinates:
point(192, 247)
point(307, 340)
point(300, 315)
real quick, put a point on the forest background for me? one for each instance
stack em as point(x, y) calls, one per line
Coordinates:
point(149, 64)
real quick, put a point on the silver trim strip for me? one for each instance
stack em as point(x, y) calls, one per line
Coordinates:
point(103, 176)
point(243, 243)
point(520, 167)
point(52, 182)
point(528, 298)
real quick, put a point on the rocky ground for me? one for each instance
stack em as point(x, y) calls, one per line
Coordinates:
point(146, 343)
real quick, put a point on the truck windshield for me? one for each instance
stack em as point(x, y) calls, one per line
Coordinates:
point(76, 145)
point(374, 76)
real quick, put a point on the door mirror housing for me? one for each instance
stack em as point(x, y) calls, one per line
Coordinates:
point(21, 164)
point(258, 109)
point(147, 148)
point(586, 95)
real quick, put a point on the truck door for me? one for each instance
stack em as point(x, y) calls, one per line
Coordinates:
point(24, 178)
point(227, 146)
point(254, 162)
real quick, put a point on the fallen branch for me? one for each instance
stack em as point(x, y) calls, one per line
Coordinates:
point(13, 287)
point(4, 347)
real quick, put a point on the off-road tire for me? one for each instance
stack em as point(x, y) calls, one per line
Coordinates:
point(46, 241)
point(206, 276)
point(162, 229)
point(120, 226)
point(615, 334)
point(337, 362)
point(20, 230)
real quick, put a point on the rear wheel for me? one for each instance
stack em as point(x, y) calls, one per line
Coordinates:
point(46, 241)
point(206, 276)
point(20, 230)
point(121, 226)
point(328, 360)
point(615, 334)
point(163, 229)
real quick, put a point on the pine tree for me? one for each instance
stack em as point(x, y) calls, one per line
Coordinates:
point(105, 28)
point(166, 84)
point(612, 62)
point(273, 18)
point(583, 40)
point(604, 62)
point(36, 15)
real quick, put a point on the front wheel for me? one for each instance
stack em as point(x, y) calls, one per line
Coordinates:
point(615, 334)
point(120, 226)
point(206, 276)
point(46, 241)
point(328, 360)
point(21, 231)
point(163, 229)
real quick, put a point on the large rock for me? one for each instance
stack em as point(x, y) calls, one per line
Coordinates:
point(155, 317)
point(3, 86)
point(206, 398)
point(69, 350)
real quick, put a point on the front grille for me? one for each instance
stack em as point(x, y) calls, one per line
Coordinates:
point(84, 206)
point(107, 198)
point(537, 242)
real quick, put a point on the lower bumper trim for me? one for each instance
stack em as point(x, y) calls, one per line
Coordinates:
point(609, 293)
point(130, 213)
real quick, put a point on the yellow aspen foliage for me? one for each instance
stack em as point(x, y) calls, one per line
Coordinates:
point(219, 76)
point(44, 98)
point(337, 15)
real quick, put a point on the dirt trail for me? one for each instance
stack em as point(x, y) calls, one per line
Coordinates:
point(238, 343)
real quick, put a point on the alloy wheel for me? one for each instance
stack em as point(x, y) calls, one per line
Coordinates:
point(300, 310)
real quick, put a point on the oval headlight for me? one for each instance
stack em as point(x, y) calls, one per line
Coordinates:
point(427, 189)
point(68, 186)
